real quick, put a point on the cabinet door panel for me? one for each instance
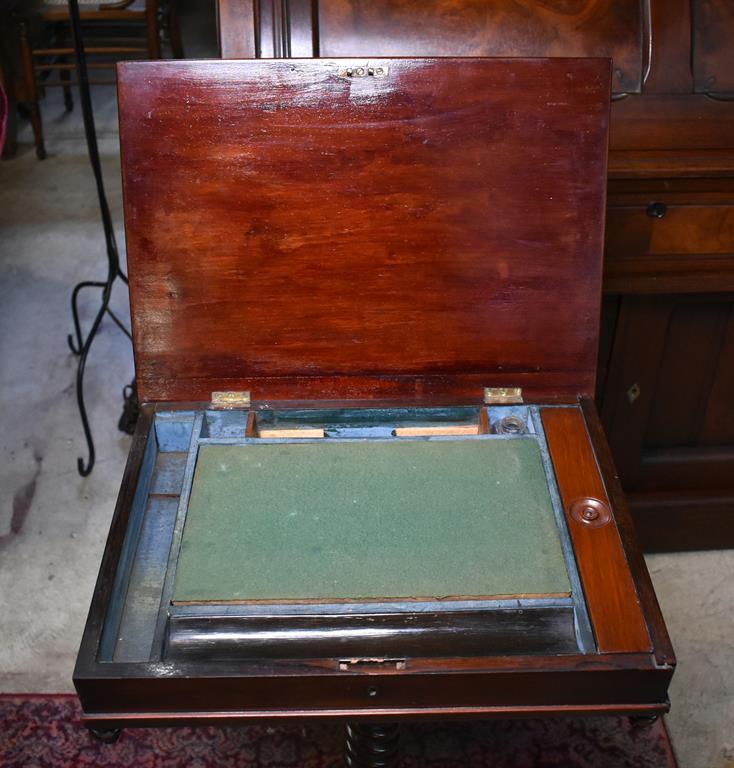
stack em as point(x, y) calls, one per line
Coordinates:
point(713, 50)
point(717, 427)
point(668, 413)
point(488, 28)
point(687, 374)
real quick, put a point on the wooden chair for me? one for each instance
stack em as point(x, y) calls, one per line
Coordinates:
point(112, 31)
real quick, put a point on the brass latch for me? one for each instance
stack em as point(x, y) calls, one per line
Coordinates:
point(502, 395)
point(229, 400)
point(370, 663)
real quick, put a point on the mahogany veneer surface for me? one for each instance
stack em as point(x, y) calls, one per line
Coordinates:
point(487, 28)
point(421, 234)
point(608, 28)
point(613, 602)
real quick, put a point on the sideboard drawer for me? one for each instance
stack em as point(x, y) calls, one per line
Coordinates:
point(661, 229)
point(669, 248)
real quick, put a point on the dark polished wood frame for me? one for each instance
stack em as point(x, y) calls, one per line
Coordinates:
point(324, 243)
point(628, 674)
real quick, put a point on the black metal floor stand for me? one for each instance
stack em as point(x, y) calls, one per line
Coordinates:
point(79, 344)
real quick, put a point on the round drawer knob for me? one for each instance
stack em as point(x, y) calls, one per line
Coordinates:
point(657, 210)
point(591, 512)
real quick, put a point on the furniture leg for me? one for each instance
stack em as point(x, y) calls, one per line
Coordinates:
point(174, 29)
point(35, 115)
point(106, 735)
point(29, 76)
point(65, 76)
point(644, 721)
point(151, 22)
point(372, 745)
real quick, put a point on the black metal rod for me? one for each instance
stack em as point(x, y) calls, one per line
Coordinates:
point(116, 320)
point(91, 135)
point(85, 469)
point(80, 345)
point(76, 343)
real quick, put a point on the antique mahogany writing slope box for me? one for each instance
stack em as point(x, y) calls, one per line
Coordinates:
point(368, 481)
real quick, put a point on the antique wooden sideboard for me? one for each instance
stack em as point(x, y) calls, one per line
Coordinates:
point(666, 364)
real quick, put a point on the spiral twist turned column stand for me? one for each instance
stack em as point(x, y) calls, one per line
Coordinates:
point(372, 745)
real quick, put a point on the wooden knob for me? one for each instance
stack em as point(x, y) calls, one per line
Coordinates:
point(591, 512)
point(657, 210)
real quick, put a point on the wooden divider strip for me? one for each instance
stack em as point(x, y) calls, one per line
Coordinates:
point(437, 429)
point(611, 598)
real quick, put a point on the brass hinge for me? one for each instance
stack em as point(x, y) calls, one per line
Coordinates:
point(365, 70)
point(502, 395)
point(224, 400)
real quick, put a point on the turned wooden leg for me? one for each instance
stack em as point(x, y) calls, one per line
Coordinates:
point(372, 745)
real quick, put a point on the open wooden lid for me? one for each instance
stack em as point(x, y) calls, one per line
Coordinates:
point(392, 229)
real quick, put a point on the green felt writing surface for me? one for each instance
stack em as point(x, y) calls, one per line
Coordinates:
point(369, 520)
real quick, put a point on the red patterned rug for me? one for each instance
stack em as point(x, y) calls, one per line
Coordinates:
point(40, 731)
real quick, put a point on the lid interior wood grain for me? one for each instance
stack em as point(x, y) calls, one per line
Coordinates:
point(304, 234)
